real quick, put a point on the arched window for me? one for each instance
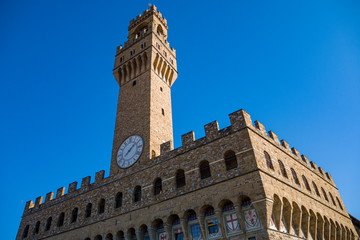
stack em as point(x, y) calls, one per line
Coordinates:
point(48, 224)
point(339, 203)
point(204, 169)
point(295, 176)
point(101, 206)
point(157, 186)
point(282, 168)
point(26, 232)
point(211, 223)
point(74, 215)
point(118, 200)
point(193, 224)
point(268, 161)
point(230, 160)
point(98, 237)
point(137, 194)
point(306, 183)
point(332, 199)
point(180, 178)
point(324, 193)
point(316, 189)
point(88, 210)
point(37, 227)
point(232, 225)
point(61, 219)
point(109, 236)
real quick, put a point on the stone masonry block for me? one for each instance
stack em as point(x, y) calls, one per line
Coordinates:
point(166, 147)
point(72, 187)
point(261, 127)
point(38, 201)
point(60, 192)
point(49, 197)
point(274, 136)
point(285, 144)
point(99, 176)
point(295, 151)
point(85, 183)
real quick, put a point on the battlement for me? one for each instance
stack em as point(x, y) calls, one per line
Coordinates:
point(148, 12)
point(239, 120)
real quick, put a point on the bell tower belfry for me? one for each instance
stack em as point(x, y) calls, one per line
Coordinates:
point(145, 69)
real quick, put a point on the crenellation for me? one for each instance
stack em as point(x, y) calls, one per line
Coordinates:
point(49, 196)
point(187, 138)
point(99, 177)
point(305, 159)
point(85, 183)
point(72, 187)
point(166, 147)
point(212, 130)
point(240, 119)
point(29, 204)
point(261, 127)
point(38, 201)
point(285, 144)
point(60, 192)
point(274, 137)
point(313, 165)
point(295, 152)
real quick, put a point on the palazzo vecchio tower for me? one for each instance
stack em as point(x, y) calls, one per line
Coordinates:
point(239, 182)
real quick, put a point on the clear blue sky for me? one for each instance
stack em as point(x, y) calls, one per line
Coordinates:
point(293, 65)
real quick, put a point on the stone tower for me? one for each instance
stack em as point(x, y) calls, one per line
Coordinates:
point(145, 69)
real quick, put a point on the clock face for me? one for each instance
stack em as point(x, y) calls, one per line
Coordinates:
point(129, 151)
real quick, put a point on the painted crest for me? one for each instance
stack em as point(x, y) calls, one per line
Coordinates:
point(282, 226)
point(251, 219)
point(272, 224)
point(232, 223)
point(163, 236)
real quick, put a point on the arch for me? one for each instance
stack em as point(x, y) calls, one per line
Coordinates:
point(118, 200)
point(88, 210)
point(26, 231)
point(180, 178)
point(48, 224)
point(316, 189)
point(176, 228)
point(287, 210)
point(282, 169)
point(157, 186)
point(312, 225)
point(159, 65)
point(319, 226)
point(36, 228)
point(190, 215)
point(74, 214)
point(296, 217)
point(159, 30)
point(120, 235)
point(295, 177)
point(131, 234)
point(204, 168)
point(193, 225)
point(137, 194)
point(326, 229)
point(332, 199)
point(226, 205)
point(140, 62)
point(144, 232)
point(98, 237)
point(306, 183)
point(324, 193)
point(304, 222)
point(212, 227)
point(268, 161)
point(140, 29)
point(230, 160)
point(338, 230)
point(135, 67)
point(101, 206)
point(61, 219)
point(337, 199)
point(130, 70)
point(109, 236)
point(158, 225)
point(245, 201)
point(276, 211)
point(207, 210)
point(332, 229)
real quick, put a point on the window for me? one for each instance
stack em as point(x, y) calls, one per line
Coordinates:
point(282, 168)
point(118, 200)
point(204, 170)
point(143, 45)
point(122, 59)
point(306, 183)
point(37, 227)
point(101, 206)
point(157, 186)
point(165, 54)
point(26, 232)
point(132, 52)
point(161, 89)
point(316, 189)
point(163, 112)
point(48, 224)
point(324, 193)
point(171, 61)
point(332, 199)
point(88, 210)
point(137, 194)
point(295, 176)
point(134, 83)
point(61, 219)
point(74, 215)
point(339, 203)
point(158, 46)
point(230, 160)
point(180, 178)
point(177, 229)
point(193, 225)
point(268, 161)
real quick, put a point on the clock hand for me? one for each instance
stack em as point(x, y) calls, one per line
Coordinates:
point(129, 150)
